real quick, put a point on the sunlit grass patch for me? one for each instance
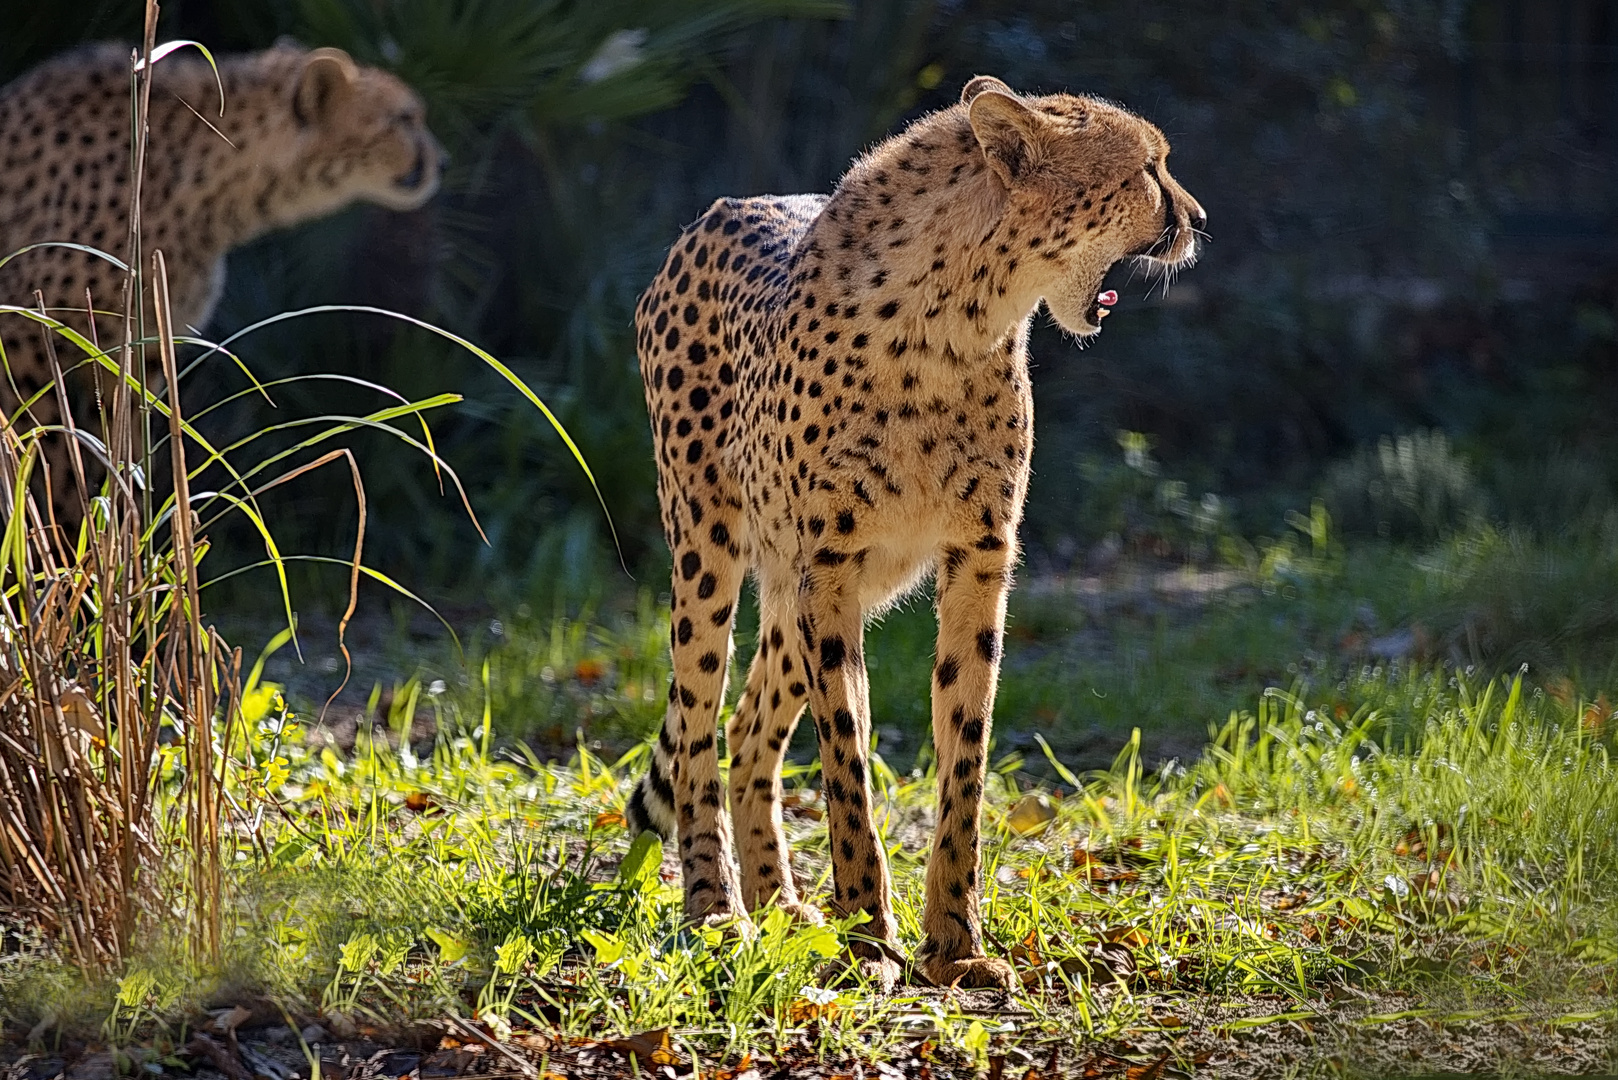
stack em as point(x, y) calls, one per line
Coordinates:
point(1411, 844)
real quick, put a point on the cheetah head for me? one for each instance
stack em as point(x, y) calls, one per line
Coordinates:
point(1078, 168)
point(364, 132)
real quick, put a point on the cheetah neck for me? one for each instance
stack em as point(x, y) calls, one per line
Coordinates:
point(916, 236)
point(254, 182)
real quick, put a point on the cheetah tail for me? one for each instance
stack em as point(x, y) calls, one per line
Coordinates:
point(651, 807)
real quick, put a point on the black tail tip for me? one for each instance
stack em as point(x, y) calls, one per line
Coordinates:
point(637, 815)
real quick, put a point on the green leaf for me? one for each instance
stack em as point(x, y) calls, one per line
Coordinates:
point(452, 948)
point(639, 868)
point(609, 950)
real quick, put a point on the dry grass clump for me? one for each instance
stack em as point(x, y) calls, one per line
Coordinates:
point(110, 684)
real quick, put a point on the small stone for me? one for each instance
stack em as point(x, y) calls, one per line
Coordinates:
point(313, 1034)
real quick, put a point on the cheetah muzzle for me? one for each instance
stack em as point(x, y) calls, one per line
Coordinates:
point(840, 404)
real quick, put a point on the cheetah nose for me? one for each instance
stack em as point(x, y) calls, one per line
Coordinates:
point(1199, 218)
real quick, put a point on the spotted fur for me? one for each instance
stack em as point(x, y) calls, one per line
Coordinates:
point(841, 406)
point(303, 134)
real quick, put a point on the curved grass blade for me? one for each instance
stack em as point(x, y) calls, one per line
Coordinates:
point(100, 356)
point(374, 575)
point(488, 358)
point(349, 423)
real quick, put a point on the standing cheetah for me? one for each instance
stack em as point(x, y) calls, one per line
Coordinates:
point(303, 134)
point(840, 404)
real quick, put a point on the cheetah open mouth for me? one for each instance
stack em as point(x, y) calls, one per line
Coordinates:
point(1101, 306)
point(413, 179)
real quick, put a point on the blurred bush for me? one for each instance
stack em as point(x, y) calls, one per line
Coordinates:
point(1412, 487)
point(1137, 511)
point(1555, 493)
point(1511, 598)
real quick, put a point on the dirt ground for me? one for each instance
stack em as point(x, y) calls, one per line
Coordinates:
point(1246, 1039)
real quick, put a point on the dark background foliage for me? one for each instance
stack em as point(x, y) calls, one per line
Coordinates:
point(1413, 206)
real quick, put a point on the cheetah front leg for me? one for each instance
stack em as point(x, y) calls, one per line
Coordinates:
point(972, 586)
point(831, 630)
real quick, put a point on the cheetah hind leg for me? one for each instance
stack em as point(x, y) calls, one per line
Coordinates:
point(760, 729)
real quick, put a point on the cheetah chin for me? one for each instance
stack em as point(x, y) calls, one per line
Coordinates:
point(1080, 309)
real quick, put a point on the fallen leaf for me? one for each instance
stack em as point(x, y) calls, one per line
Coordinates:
point(1132, 936)
point(224, 1021)
point(1027, 951)
point(1092, 869)
point(743, 1069)
point(418, 802)
point(1149, 1071)
point(651, 1047)
point(1033, 814)
point(803, 1011)
point(798, 804)
point(589, 672)
point(612, 819)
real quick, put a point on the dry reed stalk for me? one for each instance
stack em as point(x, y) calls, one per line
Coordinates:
point(102, 647)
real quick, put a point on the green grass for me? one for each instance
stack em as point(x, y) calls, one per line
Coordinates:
point(1414, 838)
point(1420, 840)
point(1152, 646)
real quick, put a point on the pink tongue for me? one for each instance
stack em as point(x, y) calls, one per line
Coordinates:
point(1108, 298)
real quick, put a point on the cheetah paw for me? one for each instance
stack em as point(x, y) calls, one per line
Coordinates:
point(980, 972)
point(880, 972)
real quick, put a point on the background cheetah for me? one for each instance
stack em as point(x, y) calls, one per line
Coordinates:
point(303, 134)
point(840, 403)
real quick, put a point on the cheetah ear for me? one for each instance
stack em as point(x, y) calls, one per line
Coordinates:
point(981, 83)
point(1007, 130)
point(326, 74)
